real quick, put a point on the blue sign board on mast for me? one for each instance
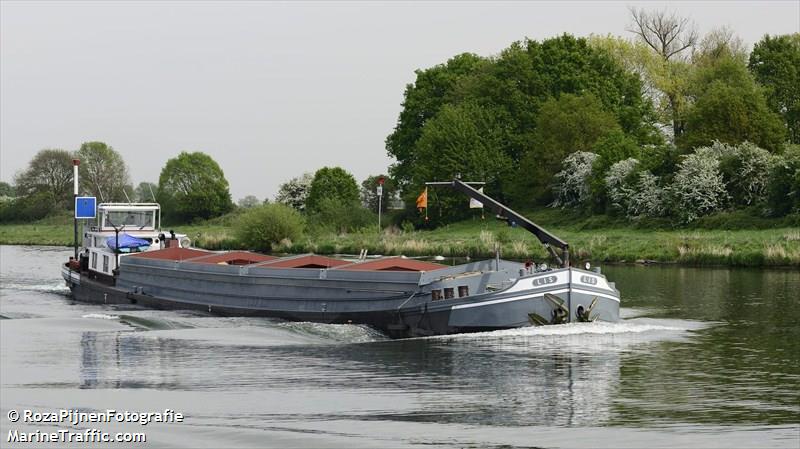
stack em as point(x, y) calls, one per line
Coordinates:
point(85, 207)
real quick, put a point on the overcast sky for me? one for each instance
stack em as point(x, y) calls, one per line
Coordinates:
point(270, 90)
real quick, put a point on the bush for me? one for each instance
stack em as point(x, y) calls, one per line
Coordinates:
point(783, 188)
point(331, 214)
point(746, 170)
point(648, 197)
point(618, 184)
point(262, 227)
point(698, 188)
point(27, 208)
point(572, 182)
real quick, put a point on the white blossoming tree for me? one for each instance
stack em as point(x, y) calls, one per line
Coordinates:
point(635, 193)
point(294, 192)
point(746, 171)
point(648, 197)
point(618, 184)
point(571, 188)
point(698, 187)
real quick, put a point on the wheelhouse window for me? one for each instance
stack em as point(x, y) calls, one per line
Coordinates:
point(105, 264)
point(94, 261)
point(129, 219)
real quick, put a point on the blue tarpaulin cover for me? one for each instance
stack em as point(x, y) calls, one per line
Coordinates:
point(126, 242)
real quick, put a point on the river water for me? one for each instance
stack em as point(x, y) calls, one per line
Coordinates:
point(705, 357)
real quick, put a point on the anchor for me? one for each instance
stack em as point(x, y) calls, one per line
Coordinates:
point(585, 316)
point(560, 314)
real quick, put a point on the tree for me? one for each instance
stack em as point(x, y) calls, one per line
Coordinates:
point(432, 88)
point(615, 146)
point(729, 106)
point(513, 88)
point(571, 186)
point(565, 125)
point(669, 36)
point(721, 42)
point(334, 183)
point(146, 192)
point(193, 185)
point(635, 57)
point(248, 202)
point(7, 190)
point(369, 195)
point(103, 172)
point(462, 140)
point(775, 63)
point(294, 192)
point(49, 172)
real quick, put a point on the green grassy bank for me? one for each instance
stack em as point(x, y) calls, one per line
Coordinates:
point(777, 243)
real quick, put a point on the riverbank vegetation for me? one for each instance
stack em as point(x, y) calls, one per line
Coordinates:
point(664, 145)
point(732, 239)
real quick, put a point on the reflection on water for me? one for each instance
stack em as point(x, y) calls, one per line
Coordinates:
point(701, 350)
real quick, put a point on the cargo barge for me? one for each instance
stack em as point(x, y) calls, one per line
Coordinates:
point(127, 259)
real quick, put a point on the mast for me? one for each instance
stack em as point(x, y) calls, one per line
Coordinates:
point(75, 163)
point(548, 240)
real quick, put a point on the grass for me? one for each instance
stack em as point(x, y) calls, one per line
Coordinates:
point(598, 238)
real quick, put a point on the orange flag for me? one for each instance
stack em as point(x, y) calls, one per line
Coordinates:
point(422, 199)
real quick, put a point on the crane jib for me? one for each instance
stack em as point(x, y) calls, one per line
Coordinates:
point(548, 240)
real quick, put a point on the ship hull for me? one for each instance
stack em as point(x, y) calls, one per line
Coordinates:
point(394, 303)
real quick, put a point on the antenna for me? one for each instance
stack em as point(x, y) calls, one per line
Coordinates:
point(150, 186)
point(126, 195)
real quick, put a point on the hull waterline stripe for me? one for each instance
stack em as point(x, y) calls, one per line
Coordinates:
point(536, 295)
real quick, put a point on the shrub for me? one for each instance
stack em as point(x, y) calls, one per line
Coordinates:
point(26, 208)
point(572, 182)
point(634, 191)
point(332, 214)
point(783, 188)
point(746, 170)
point(698, 188)
point(262, 227)
point(618, 184)
point(648, 197)
point(610, 149)
point(407, 226)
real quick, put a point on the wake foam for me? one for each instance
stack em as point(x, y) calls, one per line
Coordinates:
point(100, 316)
point(46, 288)
point(581, 337)
point(335, 333)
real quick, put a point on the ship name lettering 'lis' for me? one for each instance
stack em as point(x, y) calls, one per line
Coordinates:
point(589, 280)
point(544, 281)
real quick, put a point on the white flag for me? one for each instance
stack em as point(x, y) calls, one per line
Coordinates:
point(475, 204)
